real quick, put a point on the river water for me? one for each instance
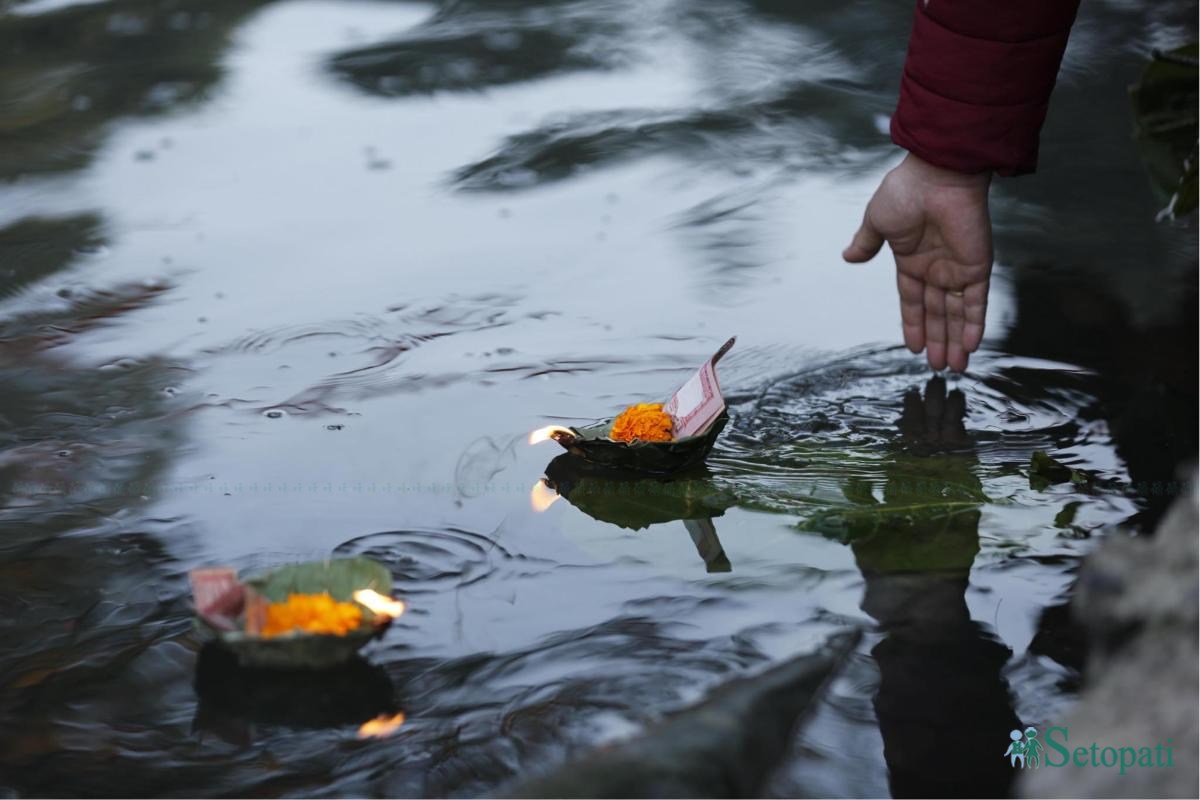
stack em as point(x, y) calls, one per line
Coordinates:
point(286, 280)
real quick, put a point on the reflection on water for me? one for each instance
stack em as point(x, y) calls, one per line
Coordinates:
point(630, 501)
point(280, 280)
point(73, 69)
point(232, 699)
point(933, 659)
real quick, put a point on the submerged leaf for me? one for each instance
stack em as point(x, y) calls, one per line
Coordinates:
point(1066, 517)
point(1046, 471)
point(928, 518)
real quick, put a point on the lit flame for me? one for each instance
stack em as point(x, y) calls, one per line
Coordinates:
point(542, 434)
point(541, 496)
point(380, 727)
point(380, 604)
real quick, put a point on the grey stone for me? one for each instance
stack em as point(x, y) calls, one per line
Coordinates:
point(1137, 598)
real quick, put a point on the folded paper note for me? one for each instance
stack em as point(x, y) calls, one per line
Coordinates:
point(698, 402)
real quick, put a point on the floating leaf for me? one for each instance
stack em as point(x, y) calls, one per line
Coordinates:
point(1045, 471)
point(1066, 517)
point(928, 518)
point(1165, 108)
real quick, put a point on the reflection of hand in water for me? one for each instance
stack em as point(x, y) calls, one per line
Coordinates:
point(942, 702)
point(937, 419)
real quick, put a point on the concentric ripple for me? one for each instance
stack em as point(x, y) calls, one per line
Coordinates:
point(430, 560)
point(871, 431)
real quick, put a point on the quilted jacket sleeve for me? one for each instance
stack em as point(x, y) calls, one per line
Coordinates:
point(977, 81)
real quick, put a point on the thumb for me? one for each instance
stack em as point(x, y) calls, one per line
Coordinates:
point(865, 245)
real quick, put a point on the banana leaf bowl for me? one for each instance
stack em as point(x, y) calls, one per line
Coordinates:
point(298, 649)
point(592, 444)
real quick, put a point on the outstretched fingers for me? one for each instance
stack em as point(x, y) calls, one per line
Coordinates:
point(974, 312)
point(956, 353)
point(912, 310)
point(935, 326)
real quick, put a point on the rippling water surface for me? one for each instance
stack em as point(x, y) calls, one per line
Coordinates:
point(286, 280)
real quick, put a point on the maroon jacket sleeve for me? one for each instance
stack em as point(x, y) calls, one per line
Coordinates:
point(978, 79)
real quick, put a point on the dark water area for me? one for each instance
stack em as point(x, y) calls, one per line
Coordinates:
point(281, 281)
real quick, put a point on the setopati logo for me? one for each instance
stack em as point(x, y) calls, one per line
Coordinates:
point(1026, 751)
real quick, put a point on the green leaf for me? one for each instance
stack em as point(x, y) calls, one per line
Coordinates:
point(1165, 110)
point(1046, 471)
point(340, 577)
point(928, 519)
point(860, 492)
point(1066, 517)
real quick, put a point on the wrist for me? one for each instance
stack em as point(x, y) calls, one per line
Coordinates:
point(941, 176)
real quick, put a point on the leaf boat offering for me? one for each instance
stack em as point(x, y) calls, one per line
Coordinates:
point(652, 437)
point(313, 615)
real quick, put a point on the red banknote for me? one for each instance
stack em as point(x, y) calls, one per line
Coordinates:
point(698, 402)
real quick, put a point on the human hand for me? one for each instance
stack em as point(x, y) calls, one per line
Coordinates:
point(937, 224)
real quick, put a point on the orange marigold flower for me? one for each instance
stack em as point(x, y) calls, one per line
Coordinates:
point(312, 613)
point(644, 421)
